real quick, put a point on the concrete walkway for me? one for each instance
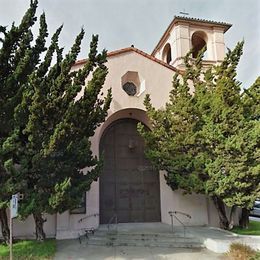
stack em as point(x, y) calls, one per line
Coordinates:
point(216, 242)
point(72, 250)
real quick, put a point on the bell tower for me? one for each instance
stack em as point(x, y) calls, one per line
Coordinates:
point(185, 34)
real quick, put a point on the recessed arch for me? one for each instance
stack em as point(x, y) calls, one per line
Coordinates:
point(199, 40)
point(167, 53)
point(134, 113)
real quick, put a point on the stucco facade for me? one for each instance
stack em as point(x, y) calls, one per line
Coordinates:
point(152, 75)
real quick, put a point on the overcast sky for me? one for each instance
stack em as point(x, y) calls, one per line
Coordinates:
point(121, 23)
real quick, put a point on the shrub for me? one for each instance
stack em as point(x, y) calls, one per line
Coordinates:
point(240, 251)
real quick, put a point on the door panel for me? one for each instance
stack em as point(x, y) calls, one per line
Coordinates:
point(129, 186)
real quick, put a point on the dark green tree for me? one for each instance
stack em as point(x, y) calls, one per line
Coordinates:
point(19, 56)
point(232, 136)
point(56, 132)
point(171, 143)
point(203, 138)
point(251, 101)
point(49, 143)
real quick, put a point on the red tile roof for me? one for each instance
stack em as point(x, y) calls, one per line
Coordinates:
point(130, 49)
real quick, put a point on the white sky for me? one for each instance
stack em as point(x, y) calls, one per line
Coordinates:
point(121, 23)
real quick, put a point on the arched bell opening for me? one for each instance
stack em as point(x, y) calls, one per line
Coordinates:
point(167, 53)
point(198, 41)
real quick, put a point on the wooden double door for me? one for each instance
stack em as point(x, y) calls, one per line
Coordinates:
point(129, 185)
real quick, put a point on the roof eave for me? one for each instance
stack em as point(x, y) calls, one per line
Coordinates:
point(129, 49)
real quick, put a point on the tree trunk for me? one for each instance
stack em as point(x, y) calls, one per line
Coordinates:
point(244, 220)
point(231, 218)
point(220, 206)
point(39, 221)
point(4, 225)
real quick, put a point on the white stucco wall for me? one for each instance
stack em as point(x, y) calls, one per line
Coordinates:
point(195, 205)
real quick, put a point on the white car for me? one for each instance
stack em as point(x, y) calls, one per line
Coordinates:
point(256, 209)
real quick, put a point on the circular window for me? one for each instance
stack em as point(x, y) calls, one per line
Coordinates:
point(130, 88)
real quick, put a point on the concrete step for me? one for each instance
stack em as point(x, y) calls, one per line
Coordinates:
point(144, 235)
point(141, 238)
point(145, 243)
point(169, 240)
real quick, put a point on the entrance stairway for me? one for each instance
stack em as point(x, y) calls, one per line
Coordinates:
point(142, 235)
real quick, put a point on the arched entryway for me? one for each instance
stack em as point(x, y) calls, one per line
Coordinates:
point(129, 186)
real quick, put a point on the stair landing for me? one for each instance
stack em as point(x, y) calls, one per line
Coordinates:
point(143, 235)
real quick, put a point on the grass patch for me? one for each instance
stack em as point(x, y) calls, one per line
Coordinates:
point(253, 229)
point(30, 250)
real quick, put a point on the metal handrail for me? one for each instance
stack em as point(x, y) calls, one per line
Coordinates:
point(182, 213)
point(111, 220)
point(92, 215)
point(87, 230)
point(173, 214)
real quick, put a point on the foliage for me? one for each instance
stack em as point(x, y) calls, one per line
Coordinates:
point(30, 250)
point(240, 251)
point(207, 136)
point(55, 130)
point(232, 134)
point(19, 56)
point(256, 256)
point(17, 60)
point(54, 113)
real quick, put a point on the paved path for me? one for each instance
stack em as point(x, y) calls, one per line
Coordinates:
point(72, 250)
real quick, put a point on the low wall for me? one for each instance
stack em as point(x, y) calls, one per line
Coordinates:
point(26, 228)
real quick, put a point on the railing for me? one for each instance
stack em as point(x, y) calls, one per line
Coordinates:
point(114, 217)
point(89, 216)
point(173, 214)
point(87, 231)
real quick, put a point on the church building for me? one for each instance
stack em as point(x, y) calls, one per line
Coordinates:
point(129, 188)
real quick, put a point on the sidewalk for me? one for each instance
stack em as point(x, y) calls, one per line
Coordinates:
point(218, 240)
point(72, 250)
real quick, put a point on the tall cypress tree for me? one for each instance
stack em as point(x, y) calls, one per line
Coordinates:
point(18, 58)
point(207, 141)
point(53, 129)
point(230, 133)
point(251, 102)
point(223, 128)
point(47, 146)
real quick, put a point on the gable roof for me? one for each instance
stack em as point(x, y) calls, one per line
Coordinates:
point(196, 21)
point(133, 49)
